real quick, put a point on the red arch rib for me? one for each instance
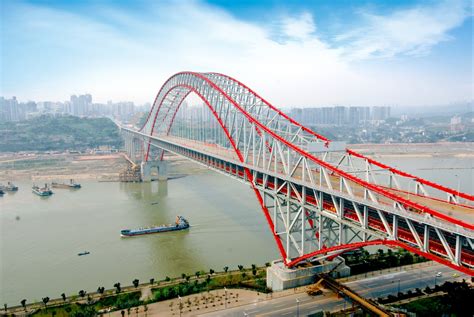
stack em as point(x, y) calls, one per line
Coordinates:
point(303, 153)
point(352, 152)
point(240, 156)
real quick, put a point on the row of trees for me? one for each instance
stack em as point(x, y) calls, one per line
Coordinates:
point(362, 261)
point(181, 289)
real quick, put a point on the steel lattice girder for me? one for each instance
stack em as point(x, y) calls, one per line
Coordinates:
point(263, 140)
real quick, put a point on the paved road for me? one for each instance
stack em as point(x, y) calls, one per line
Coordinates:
point(371, 287)
point(383, 285)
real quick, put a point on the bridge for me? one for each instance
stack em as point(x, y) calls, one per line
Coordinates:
point(319, 197)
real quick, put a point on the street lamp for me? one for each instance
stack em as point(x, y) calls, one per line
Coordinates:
point(297, 307)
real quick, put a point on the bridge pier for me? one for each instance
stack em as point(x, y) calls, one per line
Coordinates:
point(279, 277)
point(147, 167)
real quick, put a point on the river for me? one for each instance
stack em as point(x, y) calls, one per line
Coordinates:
point(40, 237)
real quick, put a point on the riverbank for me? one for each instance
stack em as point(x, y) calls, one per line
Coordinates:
point(64, 166)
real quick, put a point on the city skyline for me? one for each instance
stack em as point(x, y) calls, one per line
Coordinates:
point(414, 52)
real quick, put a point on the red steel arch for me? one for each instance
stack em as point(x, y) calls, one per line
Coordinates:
point(207, 87)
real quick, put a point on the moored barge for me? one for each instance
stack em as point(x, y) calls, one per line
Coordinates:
point(71, 185)
point(42, 191)
point(9, 187)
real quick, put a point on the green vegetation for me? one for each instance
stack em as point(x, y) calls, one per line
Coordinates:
point(456, 301)
point(361, 261)
point(121, 301)
point(124, 298)
point(48, 133)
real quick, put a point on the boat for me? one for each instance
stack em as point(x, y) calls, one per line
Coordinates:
point(180, 224)
point(42, 191)
point(71, 184)
point(83, 253)
point(2, 193)
point(10, 187)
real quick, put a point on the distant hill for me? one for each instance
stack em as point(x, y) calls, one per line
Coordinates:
point(47, 133)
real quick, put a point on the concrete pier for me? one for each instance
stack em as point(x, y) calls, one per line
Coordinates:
point(147, 168)
point(279, 277)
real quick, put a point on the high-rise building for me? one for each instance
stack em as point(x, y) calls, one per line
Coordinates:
point(9, 110)
point(380, 113)
point(80, 105)
point(358, 115)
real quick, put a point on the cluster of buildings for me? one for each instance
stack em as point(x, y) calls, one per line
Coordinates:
point(77, 105)
point(340, 115)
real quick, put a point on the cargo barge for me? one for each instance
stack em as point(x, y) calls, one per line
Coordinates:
point(71, 185)
point(42, 191)
point(180, 224)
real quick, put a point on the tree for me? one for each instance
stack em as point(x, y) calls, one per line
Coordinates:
point(152, 280)
point(5, 307)
point(226, 268)
point(254, 267)
point(406, 258)
point(45, 300)
point(117, 287)
point(254, 272)
point(101, 290)
point(187, 278)
point(241, 267)
point(208, 279)
point(135, 282)
point(267, 264)
point(211, 271)
point(183, 276)
point(123, 313)
point(167, 279)
point(63, 296)
point(145, 309)
point(82, 293)
point(23, 303)
point(197, 274)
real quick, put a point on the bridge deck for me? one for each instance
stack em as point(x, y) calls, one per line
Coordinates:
point(461, 212)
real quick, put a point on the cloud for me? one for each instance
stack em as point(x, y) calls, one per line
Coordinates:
point(121, 54)
point(412, 31)
point(300, 27)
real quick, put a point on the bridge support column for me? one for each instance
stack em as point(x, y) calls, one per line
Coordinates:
point(279, 277)
point(147, 168)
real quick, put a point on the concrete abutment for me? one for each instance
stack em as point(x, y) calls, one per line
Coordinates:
point(279, 277)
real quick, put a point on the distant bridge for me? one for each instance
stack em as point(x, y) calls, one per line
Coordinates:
point(318, 197)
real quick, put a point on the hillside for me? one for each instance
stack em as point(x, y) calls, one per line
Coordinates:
point(48, 133)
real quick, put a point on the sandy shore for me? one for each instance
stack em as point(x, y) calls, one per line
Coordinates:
point(60, 167)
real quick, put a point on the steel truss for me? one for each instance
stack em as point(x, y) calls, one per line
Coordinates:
point(315, 201)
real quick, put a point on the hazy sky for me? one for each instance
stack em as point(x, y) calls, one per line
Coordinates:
point(307, 53)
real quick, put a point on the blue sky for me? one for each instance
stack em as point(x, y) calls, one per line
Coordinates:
point(294, 53)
